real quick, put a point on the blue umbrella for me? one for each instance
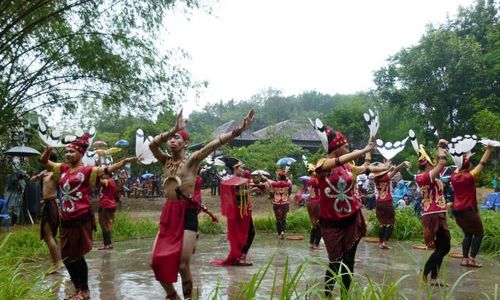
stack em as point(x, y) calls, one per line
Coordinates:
point(147, 175)
point(285, 161)
point(121, 143)
point(304, 178)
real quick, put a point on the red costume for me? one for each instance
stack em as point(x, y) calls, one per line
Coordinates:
point(313, 203)
point(384, 209)
point(433, 206)
point(342, 224)
point(107, 207)
point(236, 206)
point(465, 204)
point(281, 202)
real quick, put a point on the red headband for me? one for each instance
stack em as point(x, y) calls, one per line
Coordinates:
point(184, 134)
point(335, 140)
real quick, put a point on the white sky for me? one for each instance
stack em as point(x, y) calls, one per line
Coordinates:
point(332, 46)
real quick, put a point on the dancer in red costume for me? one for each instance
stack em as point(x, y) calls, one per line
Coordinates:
point(467, 217)
point(236, 205)
point(436, 232)
point(384, 208)
point(107, 208)
point(341, 221)
point(77, 219)
point(176, 238)
point(281, 201)
point(313, 208)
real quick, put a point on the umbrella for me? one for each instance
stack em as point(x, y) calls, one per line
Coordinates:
point(285, 161)
point(99, 144)
point(260, 172)
point(22, 151)
point(304, 178)
point(121, 143)
point(147, 175)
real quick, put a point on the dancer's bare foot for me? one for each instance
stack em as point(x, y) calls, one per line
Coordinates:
point(465, 262)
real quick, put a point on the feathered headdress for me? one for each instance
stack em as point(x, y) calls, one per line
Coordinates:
point(330, 139)
point(423, 157)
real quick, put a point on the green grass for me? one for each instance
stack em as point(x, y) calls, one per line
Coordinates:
point(17, 281)
point(407, 226)
point(296, 221)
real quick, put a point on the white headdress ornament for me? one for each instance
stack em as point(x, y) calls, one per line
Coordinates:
point(389, 150)
point(142, 148)
point(321, 131)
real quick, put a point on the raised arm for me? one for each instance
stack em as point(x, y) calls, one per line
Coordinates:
point(45, 161)
point(199, 155)
point(403, 165)
point(155, 145)
point(482, 163)
point(441, 160)
point(331, 163)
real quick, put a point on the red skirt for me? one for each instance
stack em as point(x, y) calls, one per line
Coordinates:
point(385, 213)
point(106, 217)
point(431, 224)
point(313, 210)
point(168, 248)
point(470, 221)
point(340, 239)
point(76, 237)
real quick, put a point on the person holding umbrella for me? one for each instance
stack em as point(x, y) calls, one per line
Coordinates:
point(77, 219)
point(176, 239)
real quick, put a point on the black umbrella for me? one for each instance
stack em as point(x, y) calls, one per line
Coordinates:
point(22, 151)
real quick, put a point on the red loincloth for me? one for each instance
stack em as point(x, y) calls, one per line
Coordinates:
point(167, 251)
point(385, 213)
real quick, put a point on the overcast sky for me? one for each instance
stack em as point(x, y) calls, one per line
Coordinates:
point(332, 46)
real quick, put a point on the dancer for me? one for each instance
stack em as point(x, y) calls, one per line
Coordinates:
point(236, 205)
point(436, 232)
point(341, 221)
point(313, 208)
point(107, 208)
point(77, 218)
point(465, 210)
point(281, 200)
point(176, 238)
point(49, 221)
point(384, 208)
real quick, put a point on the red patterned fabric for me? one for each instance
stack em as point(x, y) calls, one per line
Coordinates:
point(75, 187)
point(107, 197)
point(432, 194)
point(337, 197)
point(383, 184)
point(313, 184)
point(280, 189)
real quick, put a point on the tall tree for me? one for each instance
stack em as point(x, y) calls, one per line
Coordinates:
point(68, 52)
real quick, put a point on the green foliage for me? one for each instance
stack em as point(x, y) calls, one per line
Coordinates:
point(16, 280)
point(263, 154)
point(407, 226)
point(126, 228)
point(491, 239)
point(296, 221)
point(207, 226)
point(90, 53)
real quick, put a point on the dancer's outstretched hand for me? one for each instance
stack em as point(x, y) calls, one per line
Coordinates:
point(180, 123)
point(248, 119)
